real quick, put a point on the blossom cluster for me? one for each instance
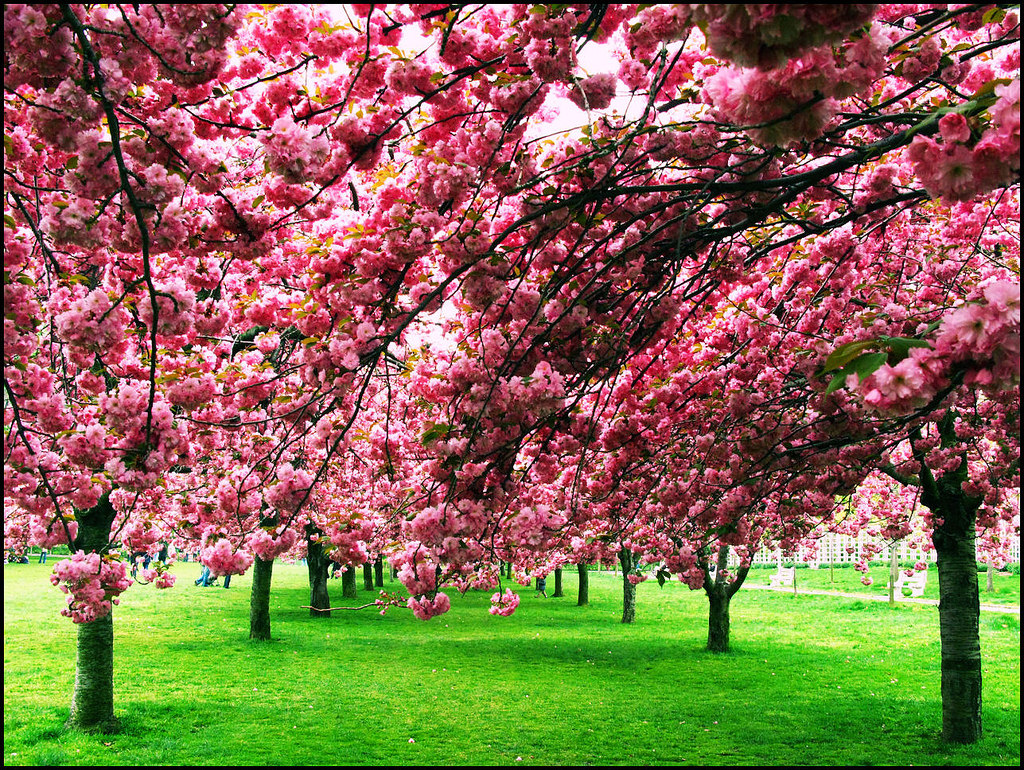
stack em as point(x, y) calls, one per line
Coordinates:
point(92, 583)
point(504, 603)
point(983, 336)
point(959, 166)
point(767, 36)
point(426, 607)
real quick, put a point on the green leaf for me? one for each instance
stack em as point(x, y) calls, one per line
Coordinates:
point(988, 89)
point(866, 365)
point(993, 15)
point(899, 347)
point(837, 382)
point(842, 355)
point(435, 432)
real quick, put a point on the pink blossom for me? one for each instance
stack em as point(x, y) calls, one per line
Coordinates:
point(953, 128)
point(426, 607)
point(1004, 297)
point(92, 583)
point(504, 603)
point(594, 93)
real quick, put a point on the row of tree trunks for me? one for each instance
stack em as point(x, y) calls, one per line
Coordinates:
point(92, 705)
point(959, 610)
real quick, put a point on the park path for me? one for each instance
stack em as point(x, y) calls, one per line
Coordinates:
point(876, 598)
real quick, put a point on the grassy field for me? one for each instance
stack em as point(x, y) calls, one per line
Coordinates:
point(811, 680)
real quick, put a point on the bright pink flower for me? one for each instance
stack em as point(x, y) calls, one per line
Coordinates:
point(953, 128)
point(504, 603)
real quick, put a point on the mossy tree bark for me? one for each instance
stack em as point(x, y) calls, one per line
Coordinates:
point(259, 600)
point(92, 699)
point(583, 594)
point(318, 566)
point(378, 572)
point(558, 584)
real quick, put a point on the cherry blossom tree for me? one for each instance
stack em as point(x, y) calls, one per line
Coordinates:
point(222, 223)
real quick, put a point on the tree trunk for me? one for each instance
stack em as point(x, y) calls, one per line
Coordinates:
point(368, 576)
point(628, 589)
point(584, 587)
point(959, 603)
point(959, 613)
point(259, 600)
point(990, 572)
point(92, 702)
point(720, 592)
point(718, 619)
point(348, 582)
point(318, 565)
point(92, 699)
point(558, 584)
point(894, 573)
point(378, 572)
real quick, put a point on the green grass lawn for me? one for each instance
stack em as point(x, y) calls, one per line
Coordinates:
point(811, 680)
point(1005, 587)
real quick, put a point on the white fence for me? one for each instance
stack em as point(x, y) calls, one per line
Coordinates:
point(844, 549)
